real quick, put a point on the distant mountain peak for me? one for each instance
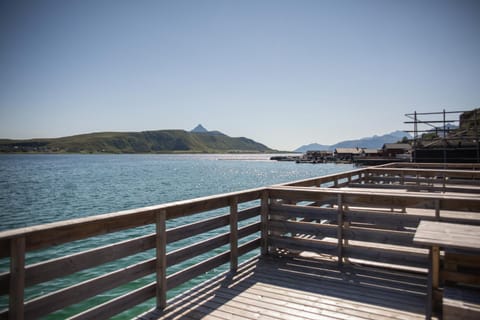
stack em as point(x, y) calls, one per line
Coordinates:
point(374, 142)
point(199, 129)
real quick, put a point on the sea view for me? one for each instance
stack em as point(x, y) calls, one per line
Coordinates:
point(42, 188)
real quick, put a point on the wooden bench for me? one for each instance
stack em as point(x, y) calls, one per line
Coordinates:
point(460, 273)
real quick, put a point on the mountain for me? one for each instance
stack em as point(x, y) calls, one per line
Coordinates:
point(160, 141)
point(375, 142)
point(312, 147)
point(199, 129)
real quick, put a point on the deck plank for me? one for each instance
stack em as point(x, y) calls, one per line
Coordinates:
point(273, 288)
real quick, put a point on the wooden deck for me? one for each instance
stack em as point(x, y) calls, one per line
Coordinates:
point(284, 288)
point(361, 223)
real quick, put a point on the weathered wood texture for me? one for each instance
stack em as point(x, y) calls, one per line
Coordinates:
point(301, 289)
point(461, 303)
point(27, 239)
point(52, 234)
point(449, 235)
point(356, 224)
point(461, 265)
point(366, 225)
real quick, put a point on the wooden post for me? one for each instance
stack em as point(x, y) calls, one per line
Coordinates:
point(340, 229)
point(233, 234)
point(435, 260)
point(347, 226)
point(264, 223)
point(17, 278)
point(435, 266)
point(161, 246)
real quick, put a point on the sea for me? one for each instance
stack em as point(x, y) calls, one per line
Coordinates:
point(43, 188)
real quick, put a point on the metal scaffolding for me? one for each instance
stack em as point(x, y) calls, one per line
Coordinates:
point(465, 132)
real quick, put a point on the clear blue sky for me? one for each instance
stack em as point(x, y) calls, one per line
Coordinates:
point(284, 73)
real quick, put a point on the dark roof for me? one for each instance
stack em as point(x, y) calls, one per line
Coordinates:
point(404, 146)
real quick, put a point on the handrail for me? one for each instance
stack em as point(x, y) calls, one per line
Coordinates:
point(331, 180)
point(433, 165)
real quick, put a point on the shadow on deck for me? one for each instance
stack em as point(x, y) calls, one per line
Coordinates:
point(284, 288)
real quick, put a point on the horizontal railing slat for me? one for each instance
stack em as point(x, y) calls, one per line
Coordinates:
point(315, 229)
point(307, 212)
point(196, 228)
point(324, 179)
point(196, 249)
point(200, 268)
point(399, 220)
point(411, 187)
point(112, 307)
point(191, 272)
point(248, 229)
point(390, 256)
point(63, 266)
point(193, 229)
point(469, 174)
point(403, 238)
point(302, 244)
point(60, 267)
point(383, 199)
point(248, 213)
point(249, 246)
point(59, 299)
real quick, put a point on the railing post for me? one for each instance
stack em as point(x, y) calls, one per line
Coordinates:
point(17, 278)
point(264, 223)
point(233, 234)
point(161, 246)
point(340, 229)
point(437, 209)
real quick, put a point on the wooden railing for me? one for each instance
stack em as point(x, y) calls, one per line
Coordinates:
point(431, 180)
point(336, 180)
point(299, 216)
point(441, 166)
point(359, 224)
point(16, 243)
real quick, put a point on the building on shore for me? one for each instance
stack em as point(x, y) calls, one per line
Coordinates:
point(347, 154)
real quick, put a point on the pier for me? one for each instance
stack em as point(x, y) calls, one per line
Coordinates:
point(340, 246)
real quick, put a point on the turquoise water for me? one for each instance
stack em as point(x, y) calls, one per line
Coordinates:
point(37, 189)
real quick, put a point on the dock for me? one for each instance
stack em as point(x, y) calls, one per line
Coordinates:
point(334, 247)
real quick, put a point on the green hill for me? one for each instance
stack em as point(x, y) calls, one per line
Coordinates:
point(161, 141)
